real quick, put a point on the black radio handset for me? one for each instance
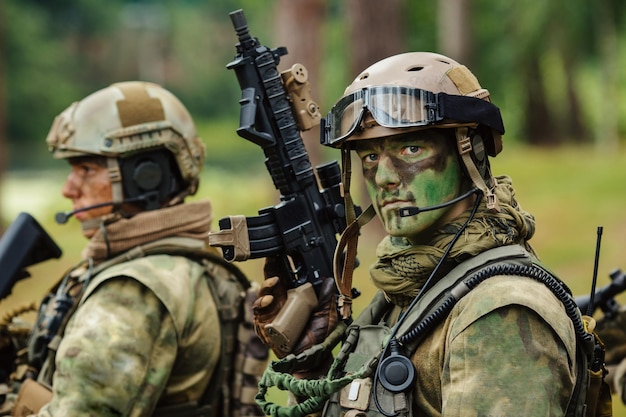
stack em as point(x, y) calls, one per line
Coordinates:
point(396, 372)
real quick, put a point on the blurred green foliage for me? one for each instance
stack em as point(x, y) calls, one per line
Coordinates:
point(564, 54)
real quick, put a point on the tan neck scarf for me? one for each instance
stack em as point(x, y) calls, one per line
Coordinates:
point(402, 269)
point(184, 220)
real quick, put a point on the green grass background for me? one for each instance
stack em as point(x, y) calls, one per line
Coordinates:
point(570, 190)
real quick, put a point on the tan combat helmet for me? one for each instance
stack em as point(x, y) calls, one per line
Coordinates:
point(420, 90)
point(405, 93)
point(125, 122)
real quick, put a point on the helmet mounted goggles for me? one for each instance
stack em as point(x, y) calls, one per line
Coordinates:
point(403, 107)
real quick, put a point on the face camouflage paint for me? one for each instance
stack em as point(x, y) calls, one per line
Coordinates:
point(418, 169)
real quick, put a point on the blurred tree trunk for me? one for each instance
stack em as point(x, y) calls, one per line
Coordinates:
point(539, 122)
point(3, 130)
point(454, 34)
point(606, 135)
point(298, 27)
point(376, 31)
point(574, 127)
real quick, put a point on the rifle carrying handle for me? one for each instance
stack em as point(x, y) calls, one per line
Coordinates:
point(286, 328)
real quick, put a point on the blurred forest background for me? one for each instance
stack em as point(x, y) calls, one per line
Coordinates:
point(555, 69)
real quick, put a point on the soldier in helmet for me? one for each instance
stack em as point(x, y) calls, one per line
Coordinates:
point(467, 321)
point(137, 328)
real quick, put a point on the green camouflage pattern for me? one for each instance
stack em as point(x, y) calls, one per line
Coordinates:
point(507, 349)
point(162, 338)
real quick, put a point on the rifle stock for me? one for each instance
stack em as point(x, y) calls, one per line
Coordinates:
point(24, 243)
point(301, 231)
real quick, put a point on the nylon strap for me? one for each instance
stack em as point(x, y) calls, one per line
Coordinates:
point(115, 176)
point(464, 144)
point(345, 251)
point(442, 288)
point(471, 109)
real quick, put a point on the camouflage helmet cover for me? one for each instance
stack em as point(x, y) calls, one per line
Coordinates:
point(426, 71)
point(125, 119)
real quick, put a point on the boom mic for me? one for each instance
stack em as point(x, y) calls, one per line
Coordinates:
point(63, 216)
point(413, 211)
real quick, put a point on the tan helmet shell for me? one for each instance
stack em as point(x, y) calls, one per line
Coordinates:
point(424, 70)
point(128, 118)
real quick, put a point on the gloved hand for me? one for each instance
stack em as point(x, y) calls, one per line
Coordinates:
point(272, 298)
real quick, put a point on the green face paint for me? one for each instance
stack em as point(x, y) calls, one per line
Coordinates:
point(418, 169)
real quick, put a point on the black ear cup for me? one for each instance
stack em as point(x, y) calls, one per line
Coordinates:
point(148, 175)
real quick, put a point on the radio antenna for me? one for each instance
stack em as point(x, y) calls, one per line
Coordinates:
point(595, 273)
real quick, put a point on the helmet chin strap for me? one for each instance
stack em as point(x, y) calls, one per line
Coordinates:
point(464, 144)
point(115, 176)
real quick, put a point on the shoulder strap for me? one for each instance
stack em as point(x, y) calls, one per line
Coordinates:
point(217, 393)
point(452, 284)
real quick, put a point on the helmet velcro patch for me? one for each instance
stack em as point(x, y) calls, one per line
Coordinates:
point(464, 80)
point(138, 107)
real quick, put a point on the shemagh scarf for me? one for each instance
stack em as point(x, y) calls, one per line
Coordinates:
point(402, 269)
point(185, 220)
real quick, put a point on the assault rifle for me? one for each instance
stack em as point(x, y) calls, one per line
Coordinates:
point(24, 243)
point(301, 231)
point(604, 296)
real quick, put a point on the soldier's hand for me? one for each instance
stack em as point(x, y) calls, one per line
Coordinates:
point(272, 298)
point(323, 320)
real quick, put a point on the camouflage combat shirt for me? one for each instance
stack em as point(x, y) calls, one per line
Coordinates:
point(159, 346)
point(507, 349)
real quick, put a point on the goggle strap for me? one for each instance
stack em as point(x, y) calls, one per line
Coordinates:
point(471, 109)
point(464, 145)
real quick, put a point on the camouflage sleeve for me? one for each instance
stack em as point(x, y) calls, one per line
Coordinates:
point(116, 355)
point(508, 362)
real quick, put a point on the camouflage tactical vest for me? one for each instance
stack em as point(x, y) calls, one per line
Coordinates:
point(242, 359)
point(364, 397)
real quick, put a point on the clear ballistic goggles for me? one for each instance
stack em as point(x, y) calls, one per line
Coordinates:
point(398, 107)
